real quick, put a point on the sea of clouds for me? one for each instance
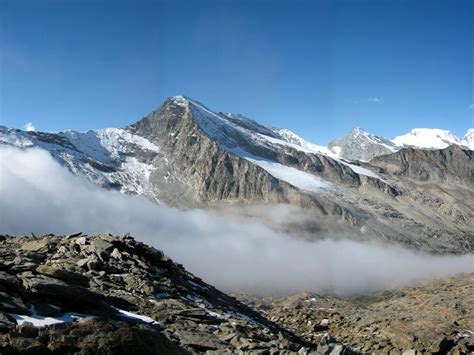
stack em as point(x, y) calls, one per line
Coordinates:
point(39, 196)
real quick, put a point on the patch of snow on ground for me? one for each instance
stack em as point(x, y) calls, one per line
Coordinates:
point(136, 317)
point(293, 176)
point(42, 321)
point(360, 170)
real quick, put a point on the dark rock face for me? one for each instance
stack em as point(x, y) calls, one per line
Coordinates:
point(136, 300)
point(204, 160)
point(453, 165)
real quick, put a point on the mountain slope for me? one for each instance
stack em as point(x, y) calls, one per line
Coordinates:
point(185, 155)
point(452, 164)
point(434, 317)
point(112, 158)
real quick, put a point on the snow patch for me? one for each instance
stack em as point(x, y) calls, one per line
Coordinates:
point(360, 170)
point(300, 179)
point(136, 317)
point(42, 321)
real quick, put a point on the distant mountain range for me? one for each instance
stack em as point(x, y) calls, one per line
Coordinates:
point(360, 145)
point(361, 186)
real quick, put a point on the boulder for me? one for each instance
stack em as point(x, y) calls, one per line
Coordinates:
point(100, 245)
point(12, 302)
point(36, 245)
point(9, 280)
point(62, 274)
point(6, 324)
point(68, 293)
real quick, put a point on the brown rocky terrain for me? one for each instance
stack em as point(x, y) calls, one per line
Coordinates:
point(435, 317)
point(114, 295)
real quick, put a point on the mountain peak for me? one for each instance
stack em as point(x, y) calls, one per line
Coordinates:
point(468, 139)
point(360, 145)
point(179, 100)
point(357, 131)
point(428, 138)
point(469, 133)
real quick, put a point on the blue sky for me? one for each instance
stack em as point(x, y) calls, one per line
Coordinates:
point(319, 68)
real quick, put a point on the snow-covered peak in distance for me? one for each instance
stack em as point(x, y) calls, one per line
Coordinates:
point(427, 138)
point(468, 139)
point(360, 145)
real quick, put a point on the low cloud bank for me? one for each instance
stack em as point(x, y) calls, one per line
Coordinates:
point(40, 196)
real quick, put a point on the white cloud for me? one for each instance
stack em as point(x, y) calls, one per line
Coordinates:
point(29, 127)
point(40, 196)
point(374, 99)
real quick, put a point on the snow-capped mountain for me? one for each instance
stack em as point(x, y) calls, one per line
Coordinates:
point(427, 138)
point(468, 139)
point(184, 154)
point(360, 145)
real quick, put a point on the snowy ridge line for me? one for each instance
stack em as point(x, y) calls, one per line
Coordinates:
point(104, 157)
point(212, 126)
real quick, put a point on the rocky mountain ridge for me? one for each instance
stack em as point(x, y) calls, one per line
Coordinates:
point(185, 155)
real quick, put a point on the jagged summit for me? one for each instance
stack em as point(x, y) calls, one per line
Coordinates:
point(360, 145)
point(358, 130)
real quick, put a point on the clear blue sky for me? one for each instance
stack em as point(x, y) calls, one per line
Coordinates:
point(319, 68)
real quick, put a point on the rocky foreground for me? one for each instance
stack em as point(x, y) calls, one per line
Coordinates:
point(435, 317)
point(102, 294)
point(113, 295)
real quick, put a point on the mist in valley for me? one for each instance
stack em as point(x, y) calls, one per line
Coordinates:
point(233, 253)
